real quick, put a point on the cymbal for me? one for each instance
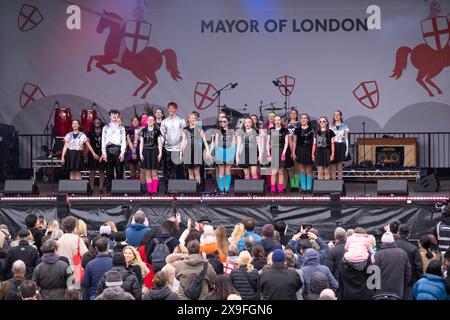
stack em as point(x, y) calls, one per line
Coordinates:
point(274, 108)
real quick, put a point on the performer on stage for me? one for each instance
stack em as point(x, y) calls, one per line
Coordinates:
point(277, 146)
point(114, 144)
point(247, 149)
point(150, 150)
point(133, 149)
point(270, 120)
point(292, 167)
point(302, 143)
point(192, 148)
point(72, 155)
point(159, 117)
point(95, 139)
point(256, 121)
point(171, 131)
point(323, 149)
point(341, 131)
point(224, 148)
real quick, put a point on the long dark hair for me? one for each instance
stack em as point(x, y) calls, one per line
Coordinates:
point(162, 110)
point(223, 287)
point(92, 128)
point(296, 117)
point(340, 113)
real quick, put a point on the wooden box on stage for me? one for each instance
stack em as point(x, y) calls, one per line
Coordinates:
point(409, 149)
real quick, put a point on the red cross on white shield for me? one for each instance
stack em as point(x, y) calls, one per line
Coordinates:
point(203, 95)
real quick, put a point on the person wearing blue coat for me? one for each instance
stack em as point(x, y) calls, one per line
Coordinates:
point(249, 226)
point(311, 264)
point(432, 285)
point(137, 229)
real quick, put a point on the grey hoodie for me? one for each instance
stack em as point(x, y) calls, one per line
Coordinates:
point(114, 293)
point(311, 263)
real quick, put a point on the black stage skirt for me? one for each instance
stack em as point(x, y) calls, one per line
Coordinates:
point(249, 158)
point(189, 158)
point(339, 152)
point(150, 161)
point(322, 157)
point(304, 155)
point(289, 163)
point(93, 164)
point(74, 160)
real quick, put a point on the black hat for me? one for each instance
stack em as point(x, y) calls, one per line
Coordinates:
point(204, 220)
point(114, 111)
point(23, 233)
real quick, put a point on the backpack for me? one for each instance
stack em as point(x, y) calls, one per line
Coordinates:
point(194, 288)
point(159, 254)
point(215, 262)
point(14, 290)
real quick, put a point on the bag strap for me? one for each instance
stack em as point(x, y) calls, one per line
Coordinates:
point(205, 268)
point(79, 246)
point(168, 240)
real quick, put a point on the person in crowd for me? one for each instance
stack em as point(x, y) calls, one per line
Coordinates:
point(72, 154)
point(52, 274)
point(323, 149)
point(171, 131)
point(250, 243)
point(373, 245)
point(172, 259)
point(130, 281)
point(191, 266)
point(105, 231)
point(52, 226)
point(415, 260)
point(358, 249)
point(161, 246)
point(393, 228)
point(291, 263)
point(208, 246)
point(341, 145)
point(248, 145)
point(29, 291)
point(114, 145)
point(73, 294)
point(133, 154)
point(425, 251)
point(113, 227)
point(70, 244)
point(232, 262)
point(191, 150)
point(432, 285)
point(5, 245)
point(279, 282)
point(267, 241)
point(394, 267)
point(137, 229)
point(319, 282)
point(301, 153)
point(115, 287)
point(10, 289)
point(24, 252)
point(82, 231)
point(148, 280)
point(327, 294)
point(95, 164)
point(259, 256)
point(96, 268)
point(277, 146)
point(281, 227)
point(223, 288)
point(135, 264)
point(151, 146)
point(202, 222)
point(161, 290)
point(311, 264)
point(308, 238)
point(224, 150)
point(249, 226)
point(32, 224)
point(245, 278)
point(336, 252)
point(222, 239)
point(292, 166)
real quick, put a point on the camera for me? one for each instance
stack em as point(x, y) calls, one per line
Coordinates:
point(306, 228)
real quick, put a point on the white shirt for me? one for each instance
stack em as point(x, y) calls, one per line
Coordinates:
point(75, 143)
point(340, 134)
point(172, 132)
point(115, 134)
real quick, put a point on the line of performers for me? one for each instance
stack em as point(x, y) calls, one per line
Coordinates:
point(283, 149)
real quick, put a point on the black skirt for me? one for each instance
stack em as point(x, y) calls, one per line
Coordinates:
point(93, 164)
point(322, 157)
point(248, 158)
point(74, 160)
point(189, 158)
point(289, 163)
point(339, 152)
point(150, 161)
point(304, 155)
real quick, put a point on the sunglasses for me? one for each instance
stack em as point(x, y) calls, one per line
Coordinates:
point(321, 121)
point(223, 121)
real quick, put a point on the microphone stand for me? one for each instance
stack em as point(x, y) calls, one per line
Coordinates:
point(218, 93)
point(53, 139)
point(286, 91)
point(364, 157)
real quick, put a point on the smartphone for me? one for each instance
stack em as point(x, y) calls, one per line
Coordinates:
point(307, 227)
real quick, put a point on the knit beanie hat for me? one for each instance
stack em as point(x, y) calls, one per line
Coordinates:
point(278, 256)
point(268, 231)
point(113, 279)
point(319, 282)
point(387, 238)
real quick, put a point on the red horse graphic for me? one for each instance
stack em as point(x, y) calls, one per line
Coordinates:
point(143, 64)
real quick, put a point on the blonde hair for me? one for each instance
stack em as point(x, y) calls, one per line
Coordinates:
point(245, 259)
point(188, 116)
point(238, 233)
point(234, 296)
point(372, 241)
point(269, 259)
point(52, 226)
point(138, 261)
point(222, 239)
point(112, 225)
point(81, 228)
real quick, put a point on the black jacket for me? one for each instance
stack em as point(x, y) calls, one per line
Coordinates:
point(51, 277)
point(37, 236)
point(246, 283)
point(163, 293)
point(269, 245)
point(130, 283)
point(394, 267)
point(415, 260)
point(28, 254)
point(334, 258)
point(279, 283)
point(161, 238)
point(353, 283)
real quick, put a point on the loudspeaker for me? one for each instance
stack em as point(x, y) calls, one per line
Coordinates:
point(73, 186)
point(182, 186)
point(248, 186)
point(392, 186)
point(20, 187)
point(427, 184)
point(122, 186)
point(328, 186)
